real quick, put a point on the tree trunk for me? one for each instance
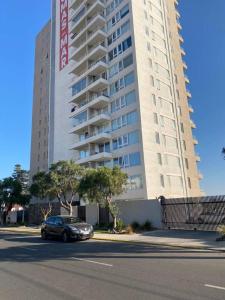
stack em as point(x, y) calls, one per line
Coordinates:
point(71, 210)
point(114, 222)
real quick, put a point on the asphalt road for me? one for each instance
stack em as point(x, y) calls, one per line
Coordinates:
point(34, 269)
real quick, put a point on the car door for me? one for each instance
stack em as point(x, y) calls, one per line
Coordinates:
point(58, 226)
point(50, 224)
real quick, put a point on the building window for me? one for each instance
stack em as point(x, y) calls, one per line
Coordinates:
point(155, 116)
point(162, 182)
point(157, 138)
point(182, 127)
point(135, 182)
point(152, 80)
point(189, 182)
point(186, 163)
point(154, 99)
point(128, 160)
point(159, 157)
point(126, 140)
point(124, 120)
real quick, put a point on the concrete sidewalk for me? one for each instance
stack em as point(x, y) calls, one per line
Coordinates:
point(173, 238)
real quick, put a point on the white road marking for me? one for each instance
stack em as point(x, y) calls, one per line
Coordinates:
point(215, 287)
point(26, 248)
point(93, 262)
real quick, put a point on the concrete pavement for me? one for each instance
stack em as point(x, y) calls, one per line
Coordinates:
point(34, 269)
point(173, 238)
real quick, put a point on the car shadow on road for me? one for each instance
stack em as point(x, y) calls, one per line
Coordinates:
point(23, 248)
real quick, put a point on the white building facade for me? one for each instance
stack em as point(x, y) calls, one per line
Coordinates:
point(118, 94)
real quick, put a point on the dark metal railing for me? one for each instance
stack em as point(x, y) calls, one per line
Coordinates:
point(200, 213)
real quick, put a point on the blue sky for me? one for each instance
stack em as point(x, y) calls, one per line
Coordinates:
point(204, 35)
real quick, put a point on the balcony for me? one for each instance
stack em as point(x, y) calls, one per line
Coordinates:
point(101, 156)
point(97, 21)
point(179, 25)
point(80, 19)
point(186, 79)
point(200, 176)
point(93, 54)
point(198, 158)
point(96, 37)
point(75, 4)
point(181, 39)
point(93, 68)
point(185, 65)
point(95, 86)
point(191, 109)
point(92, 138)
point(96, 102)
point(195, 141)
point(182, 51)
point(192, 124)
point(97, 119)
point(189, 94)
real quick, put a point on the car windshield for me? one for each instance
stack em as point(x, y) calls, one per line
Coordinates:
point(71, 220)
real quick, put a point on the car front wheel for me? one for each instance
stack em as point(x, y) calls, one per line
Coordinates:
point(43, 235)
point(65, 237)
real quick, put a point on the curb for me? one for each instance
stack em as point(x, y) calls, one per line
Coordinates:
point(20, 232)
point(131, 242)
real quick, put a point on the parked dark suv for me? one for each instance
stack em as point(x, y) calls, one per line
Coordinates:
point(66, 228)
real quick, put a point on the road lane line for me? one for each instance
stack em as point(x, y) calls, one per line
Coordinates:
point(93, 262)
point(215, 287)
point(26, 248)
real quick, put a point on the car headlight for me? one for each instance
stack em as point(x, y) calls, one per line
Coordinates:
point(75, 229)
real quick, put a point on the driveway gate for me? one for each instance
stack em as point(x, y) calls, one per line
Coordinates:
point(203, 213)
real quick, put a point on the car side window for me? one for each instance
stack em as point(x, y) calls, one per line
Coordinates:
point(51, 221)
point(58, 221)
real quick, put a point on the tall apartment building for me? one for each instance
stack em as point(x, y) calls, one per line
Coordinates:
point(118, 94)
point(40, 120)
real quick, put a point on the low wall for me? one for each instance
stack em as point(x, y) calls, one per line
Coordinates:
point(130, 211)
point(141, 211)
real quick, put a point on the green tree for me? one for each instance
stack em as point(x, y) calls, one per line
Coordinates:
point(65, 178)
point(40, 188)
point(11, 192)
point(22, 176)
point(101, 185)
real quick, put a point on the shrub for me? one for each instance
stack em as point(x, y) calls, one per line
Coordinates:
point(129, 229)
point(120, 225)
point(221, 230)
point(147, 225)
point(135, 226)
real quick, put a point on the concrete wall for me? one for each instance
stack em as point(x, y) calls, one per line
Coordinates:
point(141, 211)
point(130, 211)
point(92, 214)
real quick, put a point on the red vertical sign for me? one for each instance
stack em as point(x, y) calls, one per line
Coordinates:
point(64, 34)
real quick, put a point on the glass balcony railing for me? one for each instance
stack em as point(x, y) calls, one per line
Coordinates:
point(77, 122)
point(84, 10)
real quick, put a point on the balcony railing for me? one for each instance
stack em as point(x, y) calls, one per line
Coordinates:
point(90, 99)
point(92, 49)
point(89, 82)
point(83, 12)
point(92, 116)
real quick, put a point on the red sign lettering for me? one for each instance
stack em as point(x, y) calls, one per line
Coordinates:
point(64, 34)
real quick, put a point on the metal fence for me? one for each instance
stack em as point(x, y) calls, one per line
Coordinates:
point(203, 213)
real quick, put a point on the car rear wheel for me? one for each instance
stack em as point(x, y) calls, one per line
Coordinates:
point(65, 237)
point(44, 235)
